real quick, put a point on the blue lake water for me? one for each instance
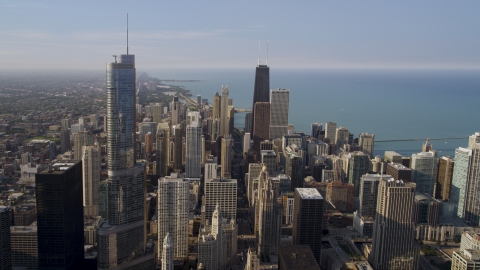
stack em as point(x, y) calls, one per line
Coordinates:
point(392, 104)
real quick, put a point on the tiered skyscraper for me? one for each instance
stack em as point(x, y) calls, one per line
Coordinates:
point(121, 237)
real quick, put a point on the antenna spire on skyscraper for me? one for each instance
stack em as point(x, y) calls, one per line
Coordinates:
point(266, 61)
point(127, 33)
point(259, 52)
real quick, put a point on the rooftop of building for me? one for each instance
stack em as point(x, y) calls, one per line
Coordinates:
point(4, 208)
point(425, 197)
point(398, 166)
point(23, 230)
point(469, 255)
point(59, 167)
point(298, 257)
point(309, 193)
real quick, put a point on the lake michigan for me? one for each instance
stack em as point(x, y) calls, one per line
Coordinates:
point(391, 103)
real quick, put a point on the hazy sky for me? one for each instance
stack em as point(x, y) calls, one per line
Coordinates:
point(225, 34)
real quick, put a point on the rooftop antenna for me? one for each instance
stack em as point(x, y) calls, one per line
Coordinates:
point(259, 52)
point(127, 33)
point(266, 61)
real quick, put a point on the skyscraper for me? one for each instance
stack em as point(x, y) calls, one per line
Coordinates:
point(5, 223)
point(424, 171)
point(394, 244)
point(224, 113)
point(341, 137)
point(65, 140)
point(366, 142)
point(162, 148)
point(172, 208)
point(91, 160)
point(52, 150)
point(175, 110)
point(359, 165)
point(167, 254)
point(466, 181)
point(330, 131)
point(308, 219)
point(261, 124)
point(261, 87)
point(60, 228)
point(444, 178)
point(270, 216)
point(221, 192)
point(226, 157)
point(121, 238)
point(177, 147)
point(193, 155)
point(81, 139)
point(216, 106)
point(157, 113)
point(279, 104)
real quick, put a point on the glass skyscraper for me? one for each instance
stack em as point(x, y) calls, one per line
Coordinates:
point(121, 237)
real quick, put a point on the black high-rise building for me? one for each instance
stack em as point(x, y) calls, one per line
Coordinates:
point(261, 91)
point(60, 216)
point(308, 209)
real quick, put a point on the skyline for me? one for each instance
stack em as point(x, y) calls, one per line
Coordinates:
point(226, 35)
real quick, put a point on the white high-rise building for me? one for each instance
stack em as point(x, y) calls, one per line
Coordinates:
point(91, 159)
point(246, 142)
point(279, 105)
point(330, 131)
point(424, 171)
point(341, 137)
point(81, 139)
point(466, 181)
point(76, 128)
point(224, 193)
point(193, 155)
point(173, 201)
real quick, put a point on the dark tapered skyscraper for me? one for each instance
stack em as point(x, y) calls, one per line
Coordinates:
point(261, 92)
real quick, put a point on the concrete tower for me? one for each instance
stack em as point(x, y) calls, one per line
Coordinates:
point(279, 104)
point(330, 131)
point(162, 148)
point(173, 194)
point(91, 159)
point(167, 254)
point(394, 244)
point(175, 110)
point(366, 142)
point(270, 216)
point(224, 113)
